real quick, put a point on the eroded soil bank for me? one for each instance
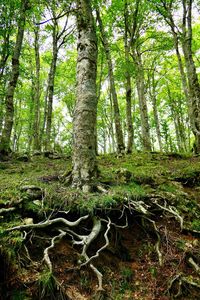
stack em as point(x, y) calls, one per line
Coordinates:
point(145, 243)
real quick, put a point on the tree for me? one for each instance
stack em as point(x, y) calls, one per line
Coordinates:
point(84, 121)
point(182, 34)
point(59, 36)
point(36, 97)
point(128, 82)
point(9, 114)
point(135, 29)
point(117, 118)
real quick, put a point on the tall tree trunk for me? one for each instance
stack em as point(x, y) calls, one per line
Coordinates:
point(31, 113)
point(193, 81)
point(36, 124)
point(140, 82)
point(4, 54)
point(129, 121)
point(117, 118)
point(152, 91)
point(51, 91)
point(85, 114)
point(9, 114)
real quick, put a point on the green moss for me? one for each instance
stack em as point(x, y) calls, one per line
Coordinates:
point(196, 224)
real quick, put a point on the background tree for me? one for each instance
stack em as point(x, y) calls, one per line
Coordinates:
point(9, 113)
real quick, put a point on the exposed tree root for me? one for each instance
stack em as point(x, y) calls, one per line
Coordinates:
point(102, 248)
point(5, 210)
point(172, 210)
point(157, 246)
point(138, 206)
point(181, 279)
point(84, 241)
point(191, 231)
point(48, 223)
point(46, 251)
point(194, 265)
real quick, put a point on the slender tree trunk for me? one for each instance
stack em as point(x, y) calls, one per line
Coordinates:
point(152, 90)
point(51, 92)
point(117, 118)
point(193, 81)
point(146, 140)
point(36, 124)
point(129, 121)
point(9, 114)
point(5, 54)
point(191, 86)
point(31, 114)
point(85, 114)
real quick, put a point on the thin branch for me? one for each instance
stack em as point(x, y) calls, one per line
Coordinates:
point(57, 18)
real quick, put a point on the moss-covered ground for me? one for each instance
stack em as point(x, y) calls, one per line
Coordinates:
point(166, 186)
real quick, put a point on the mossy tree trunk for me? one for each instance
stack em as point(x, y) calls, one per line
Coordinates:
point(9, 106)
point(84, 121)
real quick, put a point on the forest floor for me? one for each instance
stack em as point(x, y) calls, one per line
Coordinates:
point(148, 243)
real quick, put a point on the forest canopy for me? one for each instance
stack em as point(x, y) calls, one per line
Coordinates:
point(147, 83)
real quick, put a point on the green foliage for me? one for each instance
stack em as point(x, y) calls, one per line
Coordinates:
point(19, 295)
point(153, 271)
point(47, 283)
point(196, 225)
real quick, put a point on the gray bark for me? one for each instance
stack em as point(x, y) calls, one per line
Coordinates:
point(193, 82)
point(140, 82)
point(50, 90)
point(117, 118)
point(36, 124)
point(85, 114)
point(59, 39)
point(129, 121)
point(9, 114)
point(191, 86)
point(152, 92)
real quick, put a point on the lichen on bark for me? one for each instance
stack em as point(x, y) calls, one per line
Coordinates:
point(84, 121)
